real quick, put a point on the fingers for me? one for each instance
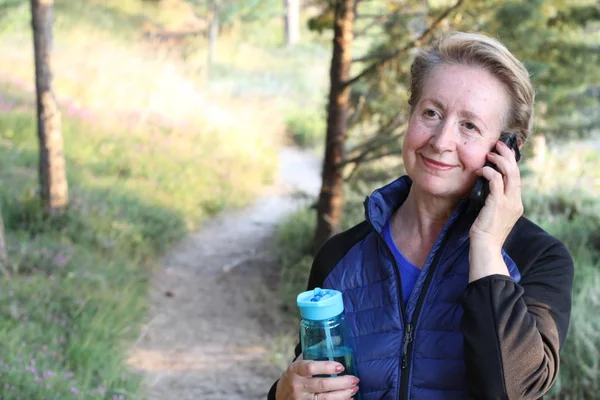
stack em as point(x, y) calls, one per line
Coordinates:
point(507, 166)
point(495, 179)
point(312, 368)
point(298, 381)
point(324, 385)
point(339, 394)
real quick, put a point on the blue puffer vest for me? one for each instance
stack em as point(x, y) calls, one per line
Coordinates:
point(412, 350)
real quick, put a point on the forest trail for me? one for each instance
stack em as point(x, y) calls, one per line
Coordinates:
point(212, 320)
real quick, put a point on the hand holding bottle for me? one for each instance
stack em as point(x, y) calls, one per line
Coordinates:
point(299, 381)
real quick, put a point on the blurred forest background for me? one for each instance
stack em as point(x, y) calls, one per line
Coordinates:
point(168, 112)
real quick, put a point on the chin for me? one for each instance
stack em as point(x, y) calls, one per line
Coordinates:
point(441, 186)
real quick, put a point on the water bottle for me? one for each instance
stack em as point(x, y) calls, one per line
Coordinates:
point(323, 332)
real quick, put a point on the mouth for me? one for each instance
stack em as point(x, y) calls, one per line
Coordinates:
point(436, 165)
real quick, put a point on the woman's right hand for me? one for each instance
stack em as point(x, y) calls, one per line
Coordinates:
point(297, 382)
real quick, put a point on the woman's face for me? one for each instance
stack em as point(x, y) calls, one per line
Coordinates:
point(456, 122)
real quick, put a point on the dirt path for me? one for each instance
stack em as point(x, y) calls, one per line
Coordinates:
point(210, 327)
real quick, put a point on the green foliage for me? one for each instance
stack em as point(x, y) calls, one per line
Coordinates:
point(323, 21)
point(563, 199)
point(562, 55)
point(579, 376)
point(306, 129)
point(294, 241)
point(561, 52)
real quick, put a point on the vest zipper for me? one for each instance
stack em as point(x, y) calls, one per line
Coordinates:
point(399, 285)
point(407, 341)
point(408, 338)
point(409, 328)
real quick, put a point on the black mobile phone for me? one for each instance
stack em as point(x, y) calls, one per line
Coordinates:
point(482, 187)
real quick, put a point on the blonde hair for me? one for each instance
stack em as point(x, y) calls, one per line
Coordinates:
point(472, 49)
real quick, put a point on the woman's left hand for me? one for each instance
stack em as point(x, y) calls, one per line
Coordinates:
point(503, 206)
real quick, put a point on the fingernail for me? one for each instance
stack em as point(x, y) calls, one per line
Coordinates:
point(339, 368)
point(355, 381)
point(354, 389)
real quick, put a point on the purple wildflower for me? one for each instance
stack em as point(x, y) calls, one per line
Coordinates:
point(5, 107)
point(61, 259)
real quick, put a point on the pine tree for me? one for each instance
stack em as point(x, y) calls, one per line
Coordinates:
point(329, 208)
point(52, 168)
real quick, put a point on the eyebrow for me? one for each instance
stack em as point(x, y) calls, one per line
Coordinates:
point(463, 113)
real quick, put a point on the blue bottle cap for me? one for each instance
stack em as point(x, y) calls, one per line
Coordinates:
point(320, 304)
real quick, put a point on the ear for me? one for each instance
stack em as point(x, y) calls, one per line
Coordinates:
point(520, 142)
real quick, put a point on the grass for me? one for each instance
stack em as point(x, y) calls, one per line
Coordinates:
point(561, 194)
point(152, 149)
point(74, 293)
point(306, 129)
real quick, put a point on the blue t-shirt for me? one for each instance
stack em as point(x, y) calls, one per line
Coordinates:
point(408, 272)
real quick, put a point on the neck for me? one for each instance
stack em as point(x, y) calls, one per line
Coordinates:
point(423, 214)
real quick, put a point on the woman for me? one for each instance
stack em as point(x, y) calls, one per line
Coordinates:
point(443, 302)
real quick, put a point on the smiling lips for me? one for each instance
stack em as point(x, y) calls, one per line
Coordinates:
point(436, 165)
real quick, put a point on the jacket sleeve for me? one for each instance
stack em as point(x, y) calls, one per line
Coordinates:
point(513, 332)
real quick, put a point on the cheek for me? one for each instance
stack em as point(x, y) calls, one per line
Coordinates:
point(473, 158)
point(416, 137)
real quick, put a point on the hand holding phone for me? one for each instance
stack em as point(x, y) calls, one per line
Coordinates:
point(482, 187)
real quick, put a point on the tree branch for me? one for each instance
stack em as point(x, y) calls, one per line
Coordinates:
point(362, 157)
point(417, 42)
point(382, 18)
point(358, 164)
point(388, 16)
point(373, 56)
point(368, 27)
point(361, 105)
point(372, 145)
point(385, 131)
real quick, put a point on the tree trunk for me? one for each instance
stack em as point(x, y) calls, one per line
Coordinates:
point(292, 22)
point(52, 169)
point(213, 32)
point(3, 252)
point(329, 209)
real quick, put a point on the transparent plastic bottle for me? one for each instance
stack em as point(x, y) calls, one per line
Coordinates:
point(323, 332)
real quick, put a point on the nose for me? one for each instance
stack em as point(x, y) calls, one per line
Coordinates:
point(444, 137)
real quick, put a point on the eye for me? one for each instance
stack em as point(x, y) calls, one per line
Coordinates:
point(429, 113)
point(471, 126)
